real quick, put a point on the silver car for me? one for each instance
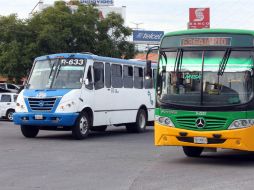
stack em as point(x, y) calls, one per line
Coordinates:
point(9, 87)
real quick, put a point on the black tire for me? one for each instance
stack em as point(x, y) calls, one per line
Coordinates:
point(9, 114)
point(82, 126)
point(191, 151)
point(99, 128)
point(140, 125)
point(29, 131)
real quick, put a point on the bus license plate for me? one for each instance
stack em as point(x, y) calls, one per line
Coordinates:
point(38, 117)
point(200, 140)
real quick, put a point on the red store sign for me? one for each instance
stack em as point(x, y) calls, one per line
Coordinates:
point(199, 18)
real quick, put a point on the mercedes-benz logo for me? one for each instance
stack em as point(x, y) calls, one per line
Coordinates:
point(200, 123)
point(41, 103)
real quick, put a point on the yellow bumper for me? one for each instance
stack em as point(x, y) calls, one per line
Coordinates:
point(241, 139)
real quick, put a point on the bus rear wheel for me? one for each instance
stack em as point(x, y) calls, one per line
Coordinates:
point(82, 126)
point(140, 125)
point(29, 131)
point(191, 151)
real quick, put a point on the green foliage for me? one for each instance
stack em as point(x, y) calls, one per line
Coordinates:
point(14, 38)
point(56, 30)
point(112, 36)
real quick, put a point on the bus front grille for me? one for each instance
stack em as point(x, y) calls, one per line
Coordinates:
point(41, 104)
point(211, 123)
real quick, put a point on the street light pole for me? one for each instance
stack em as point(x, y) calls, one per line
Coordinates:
point(137, 24)
point(137, 28)
point(39, 3)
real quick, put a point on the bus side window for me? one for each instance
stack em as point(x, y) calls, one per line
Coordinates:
point(90, 79)
point(128, 76)
point(154, 77)
point(138, 77)
point(148, 82)
point(107, 75)
point(117, 80)
point(98, 75)
point(154, 74)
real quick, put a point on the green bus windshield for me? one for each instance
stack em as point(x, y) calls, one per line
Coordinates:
point(206, 77)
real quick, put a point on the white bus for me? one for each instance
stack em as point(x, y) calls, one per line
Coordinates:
point(85, 92)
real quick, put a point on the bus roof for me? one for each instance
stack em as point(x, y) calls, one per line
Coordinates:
point(211, 31)
point(94, 57)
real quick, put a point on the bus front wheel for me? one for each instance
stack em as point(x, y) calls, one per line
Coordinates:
point(82, 126)
point(29, 131)
point(191, 151)
point(140, 125)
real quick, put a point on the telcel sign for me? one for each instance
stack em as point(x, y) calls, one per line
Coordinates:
point(199, 18)
point(147, 36)
point(98, 2)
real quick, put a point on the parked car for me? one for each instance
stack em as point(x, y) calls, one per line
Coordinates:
point(7, 105)
point(9, 87)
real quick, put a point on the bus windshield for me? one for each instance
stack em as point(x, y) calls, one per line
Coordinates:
point(57, 74)
point(206, 77)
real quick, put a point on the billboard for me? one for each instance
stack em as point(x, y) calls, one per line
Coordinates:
point(98, 2)
point(147, 36)
point(199, 18)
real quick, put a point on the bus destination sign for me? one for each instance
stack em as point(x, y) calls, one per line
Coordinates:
point(72, 62)
point(206, 41)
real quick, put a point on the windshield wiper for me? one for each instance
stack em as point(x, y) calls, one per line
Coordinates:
point(58, 69)
point(51, 71)
point(178, 62)
point(224, 62)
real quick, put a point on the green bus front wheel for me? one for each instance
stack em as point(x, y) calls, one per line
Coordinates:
point(191, 151)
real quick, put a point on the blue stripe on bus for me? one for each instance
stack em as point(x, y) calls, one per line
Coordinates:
point(48, 92)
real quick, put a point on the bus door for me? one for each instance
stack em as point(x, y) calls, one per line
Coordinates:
point(102, 96)
point(87, 94)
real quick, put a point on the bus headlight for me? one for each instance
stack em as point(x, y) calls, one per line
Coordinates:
point(67, 106)
point(20, 104)
point(241, 123)
point(164, 121)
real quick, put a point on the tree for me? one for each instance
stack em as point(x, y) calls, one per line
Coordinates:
point(14, 61)
point(112, 35)
point(59, 29)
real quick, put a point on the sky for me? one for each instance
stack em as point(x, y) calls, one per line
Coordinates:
point(163, 15)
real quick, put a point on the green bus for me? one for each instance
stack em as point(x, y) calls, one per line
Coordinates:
point(204, 96)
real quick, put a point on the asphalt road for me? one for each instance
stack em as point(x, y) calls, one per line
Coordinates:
point(114, 160)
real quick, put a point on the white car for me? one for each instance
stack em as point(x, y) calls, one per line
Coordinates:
point(7, 105)
point(9, 87)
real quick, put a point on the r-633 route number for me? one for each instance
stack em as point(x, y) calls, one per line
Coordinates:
point(72, 62)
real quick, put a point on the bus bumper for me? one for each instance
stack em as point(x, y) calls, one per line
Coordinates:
point(240, 139)
point(48, 119)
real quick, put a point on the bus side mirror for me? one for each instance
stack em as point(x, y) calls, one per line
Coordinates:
point(148, 68)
